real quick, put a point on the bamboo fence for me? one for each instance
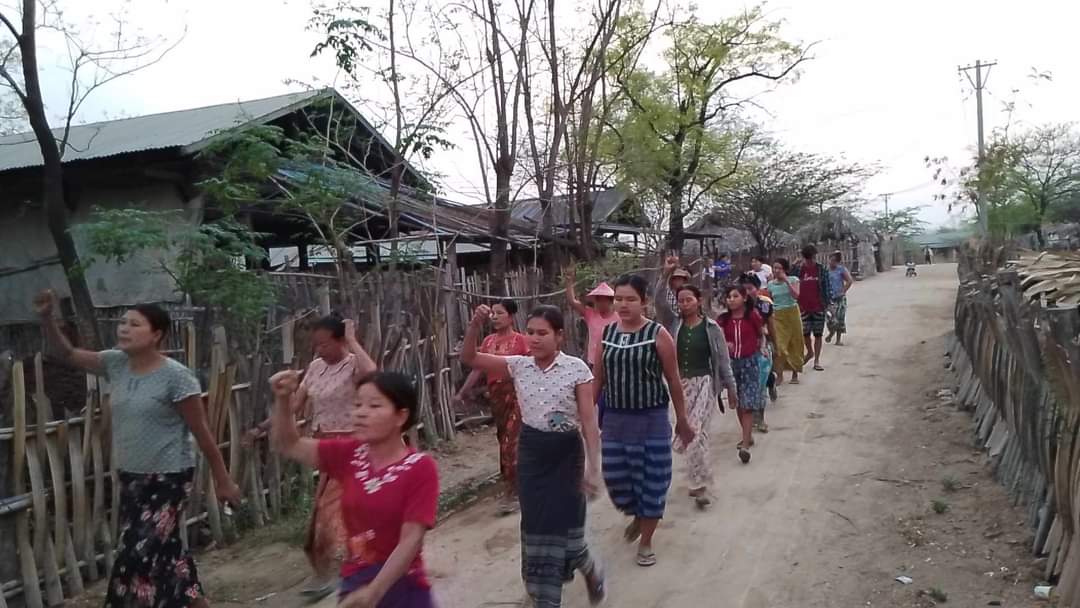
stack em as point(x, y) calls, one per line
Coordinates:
point(1017, 361)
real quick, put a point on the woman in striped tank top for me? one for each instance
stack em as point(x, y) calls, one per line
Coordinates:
point(638, 357)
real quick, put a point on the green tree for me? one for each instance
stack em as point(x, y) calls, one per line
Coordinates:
point(677, 137)
point(1044, 170)
point(778, 190)
point(903, 222)
point(205, 261)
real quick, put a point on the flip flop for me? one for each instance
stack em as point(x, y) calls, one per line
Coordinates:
point(633, 531)
point(744, 455)
point(818, 368)
point(646, 559)
point(794, 381)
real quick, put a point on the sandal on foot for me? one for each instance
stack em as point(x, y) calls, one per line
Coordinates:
point(818, 368)
point(633, 531)
point(596, 586)
point(794, 381)
point(646, 559)
point(744, 455)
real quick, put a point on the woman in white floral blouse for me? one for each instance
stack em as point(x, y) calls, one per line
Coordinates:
point(556, 473)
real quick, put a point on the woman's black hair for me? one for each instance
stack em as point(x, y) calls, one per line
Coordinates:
point(749, 278)
point(635, 282)
point(331, 323)
point(759, 258)
point(508, 305)
point(809, 251)
point(748, 303)
point(399, 389)
point(691, 288)
point(549, 313)
point(784, 263)
point(157, 317)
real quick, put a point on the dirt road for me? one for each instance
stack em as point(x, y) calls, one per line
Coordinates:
point(835, 504)
point(839, 499)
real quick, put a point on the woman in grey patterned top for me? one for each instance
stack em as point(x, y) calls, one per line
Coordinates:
point(157, 407)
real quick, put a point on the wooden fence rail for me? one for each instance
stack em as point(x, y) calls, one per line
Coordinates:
point(1017, 361)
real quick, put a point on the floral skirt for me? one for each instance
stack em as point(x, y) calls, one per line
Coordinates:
point(152, 568)
point(504, 408)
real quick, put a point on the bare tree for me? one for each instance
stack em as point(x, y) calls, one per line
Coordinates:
point(91, 66)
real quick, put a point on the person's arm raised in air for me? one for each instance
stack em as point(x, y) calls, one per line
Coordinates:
point(470, 355)
point(59, 345)
point(284, 437)
point(364, 363)
point(571, 293)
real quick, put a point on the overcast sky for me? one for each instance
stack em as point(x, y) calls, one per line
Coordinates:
point(883, 87)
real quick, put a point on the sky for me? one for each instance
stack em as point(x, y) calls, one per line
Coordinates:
point(882, 88)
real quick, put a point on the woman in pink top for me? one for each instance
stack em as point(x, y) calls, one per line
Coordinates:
point(596, 318)
point(327, 395)
point(505, 342)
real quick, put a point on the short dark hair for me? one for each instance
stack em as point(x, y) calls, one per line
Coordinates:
point(635, 282)
point(549, 313)
point(749, 278)
point(156, 316)
point(758, 258)
point(691, 288)
point(809, 251)
point(508, 305)
point(332, 323)
point(784, 263)
point(400, 389)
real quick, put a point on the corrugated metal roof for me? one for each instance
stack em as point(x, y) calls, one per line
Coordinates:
point(189, 129)
point(605, 202)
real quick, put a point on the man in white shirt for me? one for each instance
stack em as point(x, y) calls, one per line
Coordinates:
point(761, 269)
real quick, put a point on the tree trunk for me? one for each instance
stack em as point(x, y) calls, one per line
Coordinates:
point(499, 231)
point(56, 213)
point(676, 229)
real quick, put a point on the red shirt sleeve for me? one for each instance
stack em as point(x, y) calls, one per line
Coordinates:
point(335, 456)
point(521, 346)
point(422, 503)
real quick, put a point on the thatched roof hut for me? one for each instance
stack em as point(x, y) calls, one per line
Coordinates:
point(836, 224)
point(722, 238)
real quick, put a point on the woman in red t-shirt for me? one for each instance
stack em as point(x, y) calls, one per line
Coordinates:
point(390, 491)
point(745, 334)
point(505, 342)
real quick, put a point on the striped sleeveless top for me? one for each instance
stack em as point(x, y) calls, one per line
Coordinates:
point(633, 375)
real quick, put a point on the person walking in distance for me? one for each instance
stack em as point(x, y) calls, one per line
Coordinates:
point(559, 455)
point(666, 303)
point(705, 371)
point(156, 407)
point(639, 364)
point(744, 330)
point(328, 394)
point(813, 298)
point(505, 341)
point(760, 268)
point(390, 492)
point(840, 283)
point(787, 321)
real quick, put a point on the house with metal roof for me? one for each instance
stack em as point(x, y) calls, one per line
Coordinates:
point(152, 162)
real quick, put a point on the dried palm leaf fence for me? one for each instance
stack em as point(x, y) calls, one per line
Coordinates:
point(60, 519)
point(1017, 360)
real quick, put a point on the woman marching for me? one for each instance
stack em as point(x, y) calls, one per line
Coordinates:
point(744, 330)
point(762, 302)
point(328, 392)
point(555, 472)
point(705, 370)
point(639, 364)
point(156, 408)
point(504, 404)
point(390, 492)
point(787, 320)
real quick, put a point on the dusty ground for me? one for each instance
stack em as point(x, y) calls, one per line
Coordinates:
point(838, 501)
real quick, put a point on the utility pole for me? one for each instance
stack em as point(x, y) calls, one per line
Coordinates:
point(979, 83)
